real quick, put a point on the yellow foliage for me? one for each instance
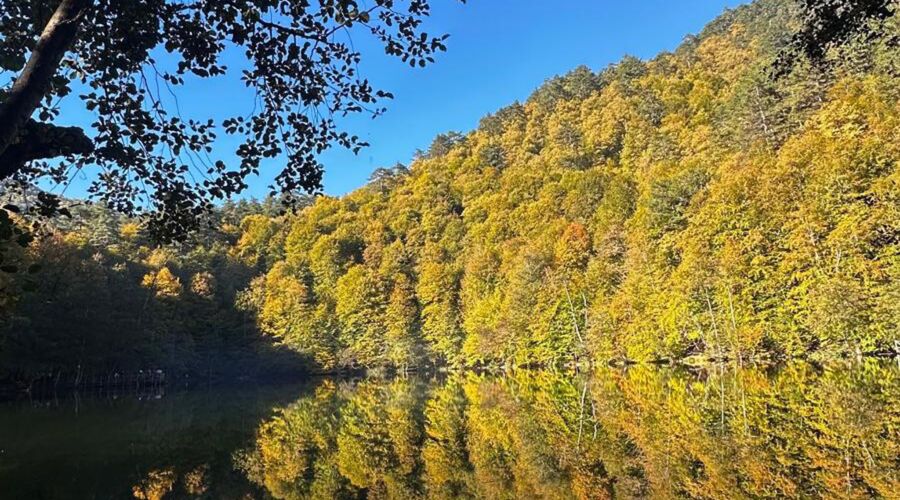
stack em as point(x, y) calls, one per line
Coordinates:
point(130, 231)
point(155, 486)
point(203, 284)
point(163, 282)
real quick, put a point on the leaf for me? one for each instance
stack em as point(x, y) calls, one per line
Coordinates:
point(12, 62)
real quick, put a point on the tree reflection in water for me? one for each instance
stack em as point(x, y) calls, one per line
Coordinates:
point(798, 431)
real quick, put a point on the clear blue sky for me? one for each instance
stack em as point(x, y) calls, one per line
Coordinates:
point(499, 52)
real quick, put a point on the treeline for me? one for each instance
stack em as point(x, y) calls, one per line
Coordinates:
point(93, 302)
point(700, 203)
point(691, 204)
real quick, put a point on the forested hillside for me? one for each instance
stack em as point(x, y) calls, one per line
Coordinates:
point(691, 203)
point(95, 302)
point(696, 203)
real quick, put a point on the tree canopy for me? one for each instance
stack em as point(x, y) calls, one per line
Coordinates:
point(687, 205)
point(127, 60)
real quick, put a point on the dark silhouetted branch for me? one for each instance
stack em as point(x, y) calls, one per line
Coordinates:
point(37, 141)
point(33, 83)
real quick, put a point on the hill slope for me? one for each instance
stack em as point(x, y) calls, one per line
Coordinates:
point(691, 204)
point(656, 209)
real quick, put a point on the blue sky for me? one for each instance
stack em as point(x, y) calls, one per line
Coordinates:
point(499, 52)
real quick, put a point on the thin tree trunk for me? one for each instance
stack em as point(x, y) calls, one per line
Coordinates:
point(34, 81)
point(585, 304)
point(762, 115)
point(715, 325)
point(581, 415)
point(574, 317)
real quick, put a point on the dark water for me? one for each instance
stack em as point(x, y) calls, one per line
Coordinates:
point(797, 431)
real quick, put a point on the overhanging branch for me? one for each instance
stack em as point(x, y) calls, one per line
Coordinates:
point(42, 140)
point(34, 81)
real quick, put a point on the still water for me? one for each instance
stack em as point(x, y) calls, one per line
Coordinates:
point(798, 431)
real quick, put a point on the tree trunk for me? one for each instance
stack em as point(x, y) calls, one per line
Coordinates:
point(34, 81)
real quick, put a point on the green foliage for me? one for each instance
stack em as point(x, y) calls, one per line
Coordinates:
point(93, 304)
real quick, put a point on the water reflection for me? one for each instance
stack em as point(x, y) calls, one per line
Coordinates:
point(800, 431)
point(133, 445)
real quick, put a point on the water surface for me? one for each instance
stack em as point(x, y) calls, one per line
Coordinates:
point(797, 431)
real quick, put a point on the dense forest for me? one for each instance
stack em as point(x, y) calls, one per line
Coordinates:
point(696, 204)
point(95, 301)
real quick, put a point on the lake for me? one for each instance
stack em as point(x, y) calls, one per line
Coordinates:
point(798, 431)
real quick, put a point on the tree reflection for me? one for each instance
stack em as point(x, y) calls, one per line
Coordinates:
point(799, 432)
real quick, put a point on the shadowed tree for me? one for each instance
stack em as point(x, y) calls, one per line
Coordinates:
point(826, 23)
